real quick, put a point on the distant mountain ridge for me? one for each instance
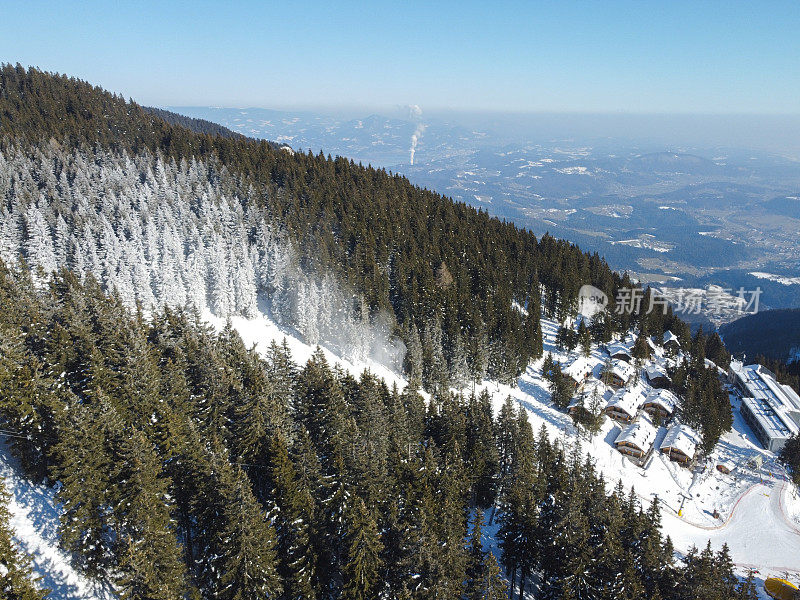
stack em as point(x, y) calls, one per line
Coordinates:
point(196, 125)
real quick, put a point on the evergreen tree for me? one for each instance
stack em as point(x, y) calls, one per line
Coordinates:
point(641, 347)
point(747, 589)
point(16, 579)
point(362, 566)
point(584, 338)
point(148, 554)
point(481, 450)
point(249, 559)
point(790, 457)
point(292, 521)
point(84, 466)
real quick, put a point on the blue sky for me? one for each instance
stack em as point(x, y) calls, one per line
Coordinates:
point(641, 57)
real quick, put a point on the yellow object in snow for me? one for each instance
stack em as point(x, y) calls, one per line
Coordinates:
point(780, 589)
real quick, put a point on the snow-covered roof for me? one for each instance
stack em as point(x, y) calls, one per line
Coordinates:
point(682, 438)
point(619, 348)
point(622, 370)
point(663, 398)
point(640, 434)
point(578, 368)
point(671, 337)
point(653, 371)
point(776, 410)
point(627, 400)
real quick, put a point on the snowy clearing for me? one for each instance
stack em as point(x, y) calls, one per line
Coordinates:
point(776, 278)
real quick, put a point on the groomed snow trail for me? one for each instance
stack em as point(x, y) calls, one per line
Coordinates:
point(758, 532)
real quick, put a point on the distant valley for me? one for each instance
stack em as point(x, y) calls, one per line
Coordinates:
point(677, 217)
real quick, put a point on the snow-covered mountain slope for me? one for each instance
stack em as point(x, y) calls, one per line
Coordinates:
point(171, 234)
point(35, 518)
point(759, 511)
point(162, 233)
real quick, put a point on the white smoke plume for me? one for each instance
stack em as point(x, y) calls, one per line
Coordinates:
point(415, 114)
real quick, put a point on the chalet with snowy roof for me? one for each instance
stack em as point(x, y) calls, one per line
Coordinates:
point(624, 404)
point(583, 401)
point(657, 376)
point(578, 371)
point(680, 444)
point(636, 439)
point(771, 409)
point(671, 342)
point(660, 402)
point(620, 351)
point(621, 373)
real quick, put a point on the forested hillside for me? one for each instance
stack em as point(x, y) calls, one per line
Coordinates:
point(449, 276)
point(771, 333)
point(196, 125)
point(190, 465)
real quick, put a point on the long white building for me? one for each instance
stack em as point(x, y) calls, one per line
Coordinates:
point(771, 409)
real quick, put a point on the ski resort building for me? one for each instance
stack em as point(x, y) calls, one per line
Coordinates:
point(660, 402)
point(771, 409)
point(680, 444)
point(636, 439)
point(657, 376)
point(624, 404)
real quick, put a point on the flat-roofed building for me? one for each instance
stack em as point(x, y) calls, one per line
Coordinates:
point(771, 409)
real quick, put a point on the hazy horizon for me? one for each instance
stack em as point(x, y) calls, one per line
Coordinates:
point(778, 134)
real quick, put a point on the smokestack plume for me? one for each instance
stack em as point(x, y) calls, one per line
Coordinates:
point(415, 114)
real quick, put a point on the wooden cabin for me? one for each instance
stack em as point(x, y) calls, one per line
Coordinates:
point(680, 444)
point(636, 439)
point(660, 402)
point(657, 376)
point(624, 405)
